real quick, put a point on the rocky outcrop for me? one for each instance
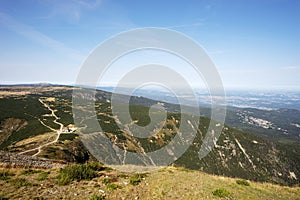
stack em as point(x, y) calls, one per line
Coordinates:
point(8, 159)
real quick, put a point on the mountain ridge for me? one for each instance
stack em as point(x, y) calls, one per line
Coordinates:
point(237, 154)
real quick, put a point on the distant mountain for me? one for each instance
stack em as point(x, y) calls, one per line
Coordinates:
point(30, 85)
point(39, 121)
point(274, 115)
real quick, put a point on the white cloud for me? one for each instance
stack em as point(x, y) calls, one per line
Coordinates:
point(71, 10)
point(38, 37)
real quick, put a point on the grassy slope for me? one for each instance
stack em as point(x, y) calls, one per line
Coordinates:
point(169, 183)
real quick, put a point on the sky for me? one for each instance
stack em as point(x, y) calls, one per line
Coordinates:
point(253, 43)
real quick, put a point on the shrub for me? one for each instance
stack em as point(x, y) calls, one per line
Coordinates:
point(136, 179)
point(243, 182)
point(221, 192)
point(76, 172)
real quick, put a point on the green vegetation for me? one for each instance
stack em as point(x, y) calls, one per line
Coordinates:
point(67, 136)
point(72, 151)
point(97, 197)
point(107, 180)
point(79, 172)
point(136, 179)
point(123, 175)
point(20, 182)
point(76, 172)
point(140, 113)
point(29, 109)
point(243, 182)
point(257, 159)
point(112, 186)
point(221, 193)
point(5, 174)
point(168, 183)
point(43, 176)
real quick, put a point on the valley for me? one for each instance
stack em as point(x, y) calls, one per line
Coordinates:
point(39, 123)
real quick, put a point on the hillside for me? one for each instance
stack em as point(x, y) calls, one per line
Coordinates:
point(38, 121)
point(273, 114)
point(103, 183)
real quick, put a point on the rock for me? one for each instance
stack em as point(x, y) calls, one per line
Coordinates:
point(8, 159)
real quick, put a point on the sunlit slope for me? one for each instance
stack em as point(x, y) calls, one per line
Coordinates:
point(30, 126)
point(104, 183)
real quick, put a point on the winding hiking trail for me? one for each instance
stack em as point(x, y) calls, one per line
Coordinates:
point(39, 148)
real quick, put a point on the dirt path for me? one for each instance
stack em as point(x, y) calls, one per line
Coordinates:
point(39, 149)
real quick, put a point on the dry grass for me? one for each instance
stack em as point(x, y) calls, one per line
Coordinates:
point(34, 142)
point(168, 183)
point(25, 90)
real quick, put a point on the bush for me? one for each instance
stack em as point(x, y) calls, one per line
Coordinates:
point(243, 182)
point(221, 192)
point(76, 172)
point(136, 179)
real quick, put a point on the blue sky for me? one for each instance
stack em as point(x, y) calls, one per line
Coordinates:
point(254, 43)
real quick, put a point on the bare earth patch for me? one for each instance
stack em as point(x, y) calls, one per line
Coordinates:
point(33, 142)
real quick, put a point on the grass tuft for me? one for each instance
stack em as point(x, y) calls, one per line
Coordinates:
point(20, 182)
point(243, 182)
point(112, 186)
point(97, 197)
point(136, 179)
point(42, 176)
point(221, 192)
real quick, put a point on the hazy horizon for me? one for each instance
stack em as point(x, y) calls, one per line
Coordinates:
point(254, 44)
point(227, 89)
